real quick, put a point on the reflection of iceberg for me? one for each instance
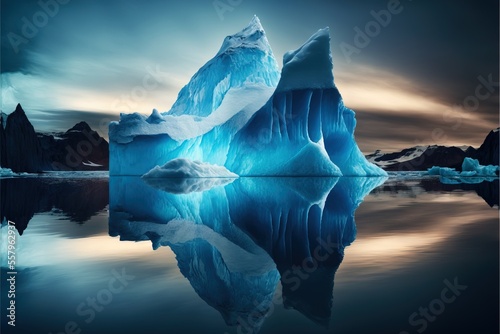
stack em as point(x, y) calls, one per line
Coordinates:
point(234, 243)
point(304, 224)
point(467, 179)
point(224, 266)
point(488, 190)
point(178, 185)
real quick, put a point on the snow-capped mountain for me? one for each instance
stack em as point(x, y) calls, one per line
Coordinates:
point(419, 158)
point(423, 157)
point(235, 113)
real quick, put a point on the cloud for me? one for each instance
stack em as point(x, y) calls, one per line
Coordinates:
point(364, 86)
point(394, 112)
point(62, 120)
point(90, 86)
point(392, 132)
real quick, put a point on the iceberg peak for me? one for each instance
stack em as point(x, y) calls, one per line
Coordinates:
point(244, 58)
point(252, 36)
point(310, 66)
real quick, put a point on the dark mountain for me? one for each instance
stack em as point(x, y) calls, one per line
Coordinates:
point(487, 153)
point(421, 158)
point(24, 150)
point(79, 148)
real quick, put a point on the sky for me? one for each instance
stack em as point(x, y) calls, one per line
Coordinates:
point(415, 72)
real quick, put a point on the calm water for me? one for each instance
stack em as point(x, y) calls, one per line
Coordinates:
point(99, 255)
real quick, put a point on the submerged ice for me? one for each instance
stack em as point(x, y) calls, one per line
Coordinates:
point(240, 112)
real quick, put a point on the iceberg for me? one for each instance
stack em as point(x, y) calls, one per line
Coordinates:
point(238, 111)
point(470, 168)
point(185, 168)
point(472, 173)
point(183, 176)
point(6, 172)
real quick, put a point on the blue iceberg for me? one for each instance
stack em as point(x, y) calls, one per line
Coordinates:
point(472, 172)
point(239, 112)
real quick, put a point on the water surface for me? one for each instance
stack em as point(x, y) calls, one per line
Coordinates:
point(342, 255)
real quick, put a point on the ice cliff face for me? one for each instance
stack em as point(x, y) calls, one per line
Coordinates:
point(238, 112)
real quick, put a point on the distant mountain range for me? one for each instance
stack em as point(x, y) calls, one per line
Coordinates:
point(420, 158)
point(22, 149)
